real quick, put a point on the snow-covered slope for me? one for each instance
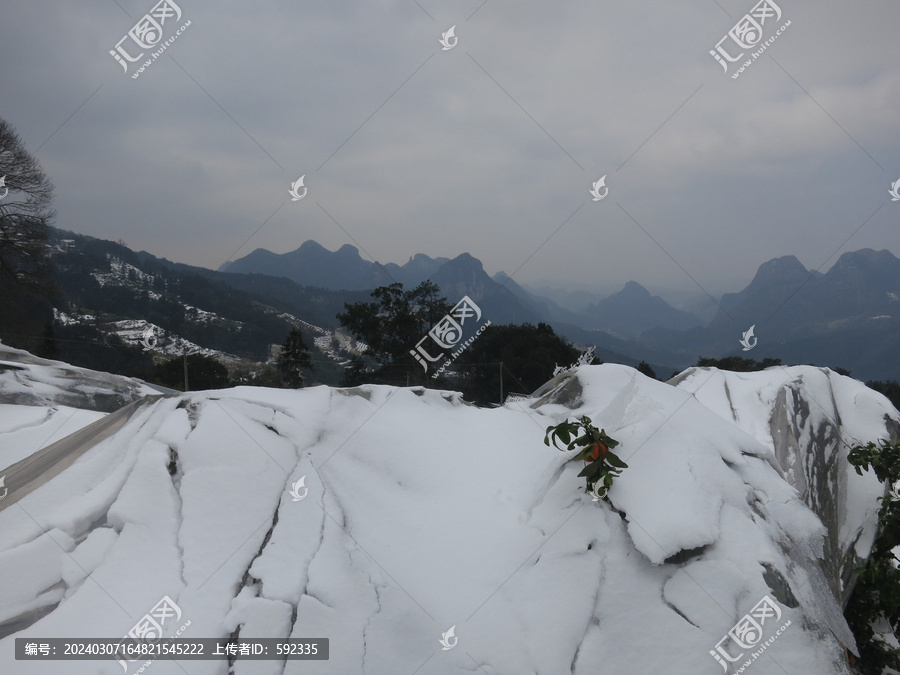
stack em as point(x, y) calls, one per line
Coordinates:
point(810, 417)
point(29, 380)
point(44, 401)
point(424, 513)
point(26, 429)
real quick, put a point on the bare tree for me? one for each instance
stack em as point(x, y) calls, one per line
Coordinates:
point(25, 213)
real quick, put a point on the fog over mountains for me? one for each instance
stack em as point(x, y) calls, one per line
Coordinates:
point(626, 313)
point(848, 317)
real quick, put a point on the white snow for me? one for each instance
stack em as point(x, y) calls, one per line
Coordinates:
point(29, 380)
point(424, 512)
point(44, 401)
point(836, 410)
point(26, 429)
point(325, 339)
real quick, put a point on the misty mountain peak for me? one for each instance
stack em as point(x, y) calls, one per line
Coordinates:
point(634, 290)
point(870, 272)
point(467, 262)
point(349, 251)
point(786, 269)
point(424, 263)
point(501, 277)
point(866, 257)
point(311, 246)
point(633, 310)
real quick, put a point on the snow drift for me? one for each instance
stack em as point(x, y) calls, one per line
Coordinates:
point(423, 512)
point(42, 401)
point(29, 380)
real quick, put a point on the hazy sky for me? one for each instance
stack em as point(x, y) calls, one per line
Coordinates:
point(490, 147)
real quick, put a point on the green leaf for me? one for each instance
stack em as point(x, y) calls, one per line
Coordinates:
point(581, 435)
point(593, 471)
point(613, 459)
point(610, 442)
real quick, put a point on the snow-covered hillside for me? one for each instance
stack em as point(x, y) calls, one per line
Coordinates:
point(128, 279)
point(809, 417)
point(29, 380)
point(420, 513)
point(44, 401)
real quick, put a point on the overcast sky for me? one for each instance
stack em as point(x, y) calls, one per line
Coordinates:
point(490, 147)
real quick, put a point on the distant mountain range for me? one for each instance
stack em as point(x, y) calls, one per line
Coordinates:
point(624, 314)
point(848, 317)
point(109, 295)
point(314, 265)
point(344, 269)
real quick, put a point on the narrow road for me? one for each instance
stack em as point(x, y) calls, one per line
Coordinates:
point(28, 474)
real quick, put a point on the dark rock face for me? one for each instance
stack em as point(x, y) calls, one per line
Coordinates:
point(814, 416)
point(812, 451)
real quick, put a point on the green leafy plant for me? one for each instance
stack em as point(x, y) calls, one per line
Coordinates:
point(596, 449)
point(875, 603)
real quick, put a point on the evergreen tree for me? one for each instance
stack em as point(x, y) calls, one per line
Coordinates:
point(293, 358)
point(644, 367)
point(393, 325)
point(873, 611)
point(737, 364)
point(529, 354)
point(204, 372)
point(355, 374)
point(48, 348)
point(890, 388)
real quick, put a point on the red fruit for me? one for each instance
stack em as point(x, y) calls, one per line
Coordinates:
point(598, 449)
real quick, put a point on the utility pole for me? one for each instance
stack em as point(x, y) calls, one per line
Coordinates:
point(501, 383)
point(184, 354)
